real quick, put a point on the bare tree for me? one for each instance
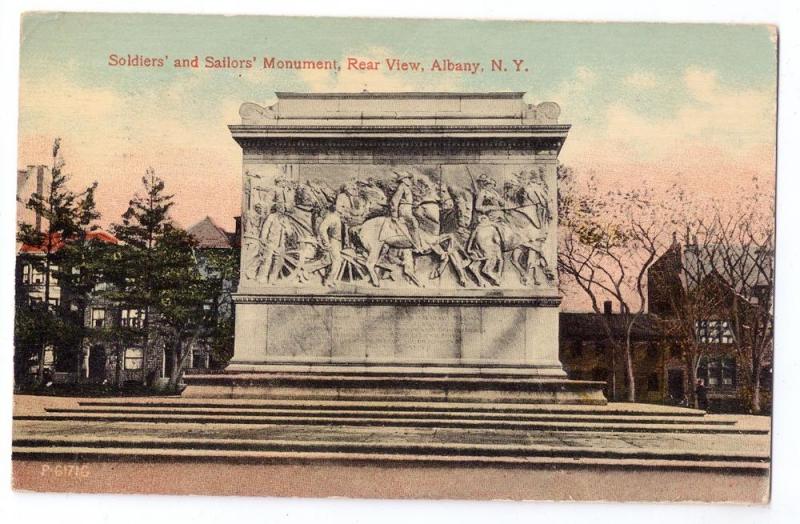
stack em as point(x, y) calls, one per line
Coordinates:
point(744, 259)
point(693, 296)
point(725, 276)
point(608, 241)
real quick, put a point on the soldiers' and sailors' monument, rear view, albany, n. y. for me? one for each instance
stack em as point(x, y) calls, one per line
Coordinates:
point(398, 246)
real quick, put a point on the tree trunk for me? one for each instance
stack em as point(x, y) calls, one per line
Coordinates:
point(755, 397)
point(175, 372)
point(146, 345)
point(613, 373)
point(43, 346)
point(692, 382)
point(120, 358)
point(631, 394)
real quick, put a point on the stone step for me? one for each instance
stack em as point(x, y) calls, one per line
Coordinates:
point(651, 410)
point(410, 421)
point(139, 455)
point(427, 413)
point(406, 386)
point(342, 450)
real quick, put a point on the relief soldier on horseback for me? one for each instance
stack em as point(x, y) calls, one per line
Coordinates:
point(370, 230)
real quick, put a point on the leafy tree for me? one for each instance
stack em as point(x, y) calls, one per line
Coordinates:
point(185, 301)
point(34, 326)
point(157, 271)
point(220, 268)
point(69, 216)
point(137, 267)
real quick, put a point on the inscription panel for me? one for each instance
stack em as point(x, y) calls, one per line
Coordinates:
point(430, 333)
point(299, 331)
point(410, 334)
point(380, 337)
point(347, 333)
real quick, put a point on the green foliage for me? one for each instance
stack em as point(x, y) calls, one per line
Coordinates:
point(220, 268)
point(159, 270)
point(66, 253)
point(147, 217)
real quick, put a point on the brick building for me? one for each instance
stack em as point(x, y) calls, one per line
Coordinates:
point(96, 360)
point(661, 372)
point(587, 353)
point(689, 268)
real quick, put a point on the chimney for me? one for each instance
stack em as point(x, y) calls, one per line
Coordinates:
point(607, 307)
point(39, 190)
point(237, 236)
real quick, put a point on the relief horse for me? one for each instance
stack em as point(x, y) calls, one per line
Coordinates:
point(379, 234)
point(519, 236)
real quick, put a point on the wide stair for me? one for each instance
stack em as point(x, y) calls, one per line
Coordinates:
point(252, 431)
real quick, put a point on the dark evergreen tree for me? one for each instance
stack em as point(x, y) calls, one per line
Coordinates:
point(137, 271)
point(68, 217)
point(157, 272)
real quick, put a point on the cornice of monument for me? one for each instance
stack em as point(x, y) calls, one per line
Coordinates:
point(425, 130)
point(398, 300)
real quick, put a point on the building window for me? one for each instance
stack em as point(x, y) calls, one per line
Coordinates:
point(31, 275)
point(653, 382)
point(98, 318)
point(728, 372)
point(725, 333)
point(54, 302)
point(199, 360)
point(101, 286)
point(713, 370)
point(49, 356)
point(718, 372)
point(134, 358)
point(714, 332)
point(132, 318)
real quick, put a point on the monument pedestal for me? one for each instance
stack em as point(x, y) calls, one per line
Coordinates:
point(465, 348)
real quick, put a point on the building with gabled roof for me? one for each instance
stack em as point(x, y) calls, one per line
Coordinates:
point(689, 267)
point(209, 235)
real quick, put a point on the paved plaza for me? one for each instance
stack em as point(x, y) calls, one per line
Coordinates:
point(394, 449)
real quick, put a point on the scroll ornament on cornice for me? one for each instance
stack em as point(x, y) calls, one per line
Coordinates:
point(544, 113)
point(253, 114)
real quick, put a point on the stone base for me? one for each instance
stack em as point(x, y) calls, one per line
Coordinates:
point(423, 385)
point(465, 348)
point(385, 330)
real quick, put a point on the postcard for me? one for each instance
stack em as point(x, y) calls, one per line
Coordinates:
point(398, 259)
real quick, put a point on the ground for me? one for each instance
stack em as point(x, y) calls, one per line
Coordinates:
point(388, 449)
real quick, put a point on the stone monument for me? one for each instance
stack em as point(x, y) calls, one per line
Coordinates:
point(398, 246)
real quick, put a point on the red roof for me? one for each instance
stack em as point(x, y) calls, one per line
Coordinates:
point(57, 243)
point(209, 235)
